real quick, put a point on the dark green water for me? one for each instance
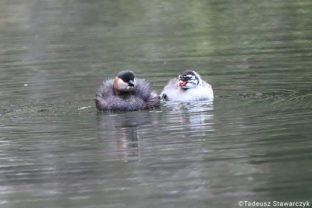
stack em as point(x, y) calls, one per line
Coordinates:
point(253, 143)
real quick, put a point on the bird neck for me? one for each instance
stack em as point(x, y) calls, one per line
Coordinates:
point(115, 86)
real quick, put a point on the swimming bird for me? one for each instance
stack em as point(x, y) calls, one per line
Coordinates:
point(186, 88)
point(126, 93)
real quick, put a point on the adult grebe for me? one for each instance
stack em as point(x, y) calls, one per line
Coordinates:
point(126, 93)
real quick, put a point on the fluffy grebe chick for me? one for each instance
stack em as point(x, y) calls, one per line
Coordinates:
point(188, 87)
point(126, 93)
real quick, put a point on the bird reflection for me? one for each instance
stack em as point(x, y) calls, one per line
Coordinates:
point(129, 133)
point(127, 138)
point(193, 117)
point(126, 131)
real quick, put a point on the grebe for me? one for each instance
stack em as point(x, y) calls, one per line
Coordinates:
point(188, 87)
point(126, 93)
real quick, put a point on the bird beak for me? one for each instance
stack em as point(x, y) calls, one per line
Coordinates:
point(131, 83)
point(182, 83)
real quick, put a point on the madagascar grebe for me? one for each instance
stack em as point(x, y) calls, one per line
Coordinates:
point(126, 93)
point(188, 87)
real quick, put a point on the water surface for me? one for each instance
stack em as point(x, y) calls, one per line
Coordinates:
point(252, 143)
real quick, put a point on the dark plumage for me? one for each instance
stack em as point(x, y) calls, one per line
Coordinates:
point(126, 76)
point(126, 93)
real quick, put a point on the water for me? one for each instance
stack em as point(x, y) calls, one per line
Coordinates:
point(253, 143)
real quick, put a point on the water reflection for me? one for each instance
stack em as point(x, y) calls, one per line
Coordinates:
point(126, 131)
point(129, 133)
point(193, 117)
